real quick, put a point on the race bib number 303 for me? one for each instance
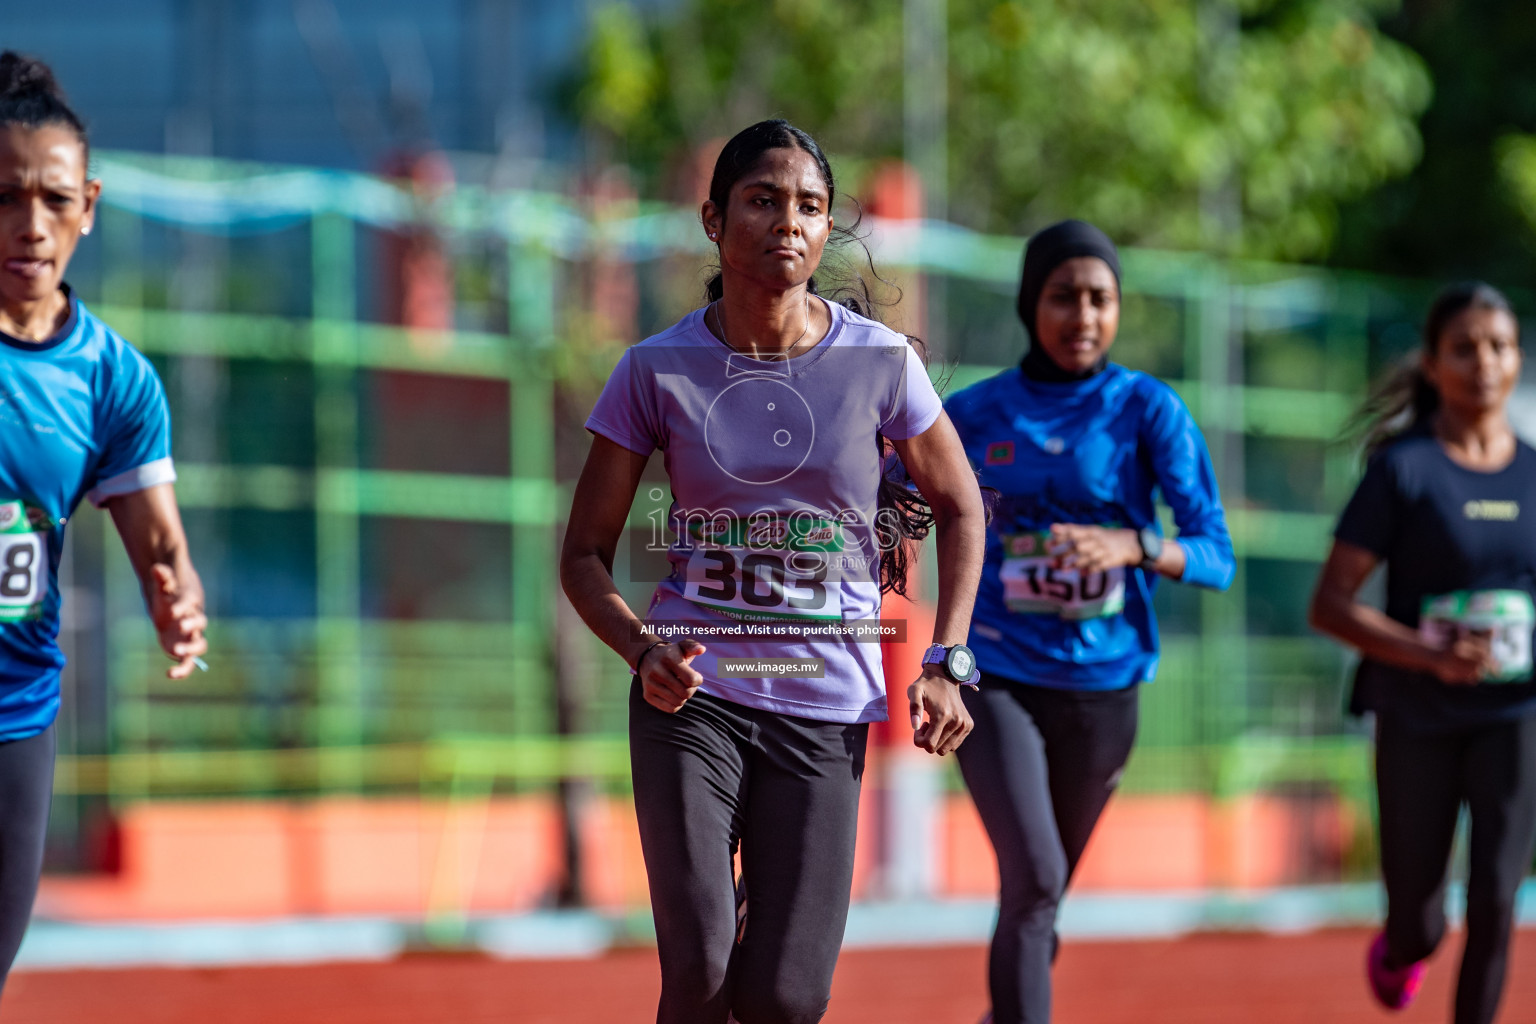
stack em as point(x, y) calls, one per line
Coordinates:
point(1032, 584)
point(767, 569)
point(23, 562)
point(1505, 617)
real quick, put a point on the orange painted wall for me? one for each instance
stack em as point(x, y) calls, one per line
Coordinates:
point(414, 858)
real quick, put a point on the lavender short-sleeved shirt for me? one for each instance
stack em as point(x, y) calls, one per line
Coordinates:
point(774, 470)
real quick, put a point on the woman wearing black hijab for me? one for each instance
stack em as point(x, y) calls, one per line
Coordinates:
point(1063, 629)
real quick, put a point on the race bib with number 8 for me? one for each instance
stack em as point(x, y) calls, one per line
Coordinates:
point(767, 570)
point(1507, 617)
point(23, 564)
point(1032, 584)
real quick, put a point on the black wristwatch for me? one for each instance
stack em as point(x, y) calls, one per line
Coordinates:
point(1151, 547)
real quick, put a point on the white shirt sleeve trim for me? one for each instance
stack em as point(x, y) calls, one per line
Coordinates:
point(151, 474)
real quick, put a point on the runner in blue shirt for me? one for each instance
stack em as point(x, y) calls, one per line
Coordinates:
point(1063, 629)
point(82, 415)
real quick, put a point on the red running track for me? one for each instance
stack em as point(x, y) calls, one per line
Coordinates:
point(1206, 979)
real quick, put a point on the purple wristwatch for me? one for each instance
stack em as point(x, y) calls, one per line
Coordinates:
point(958, 661)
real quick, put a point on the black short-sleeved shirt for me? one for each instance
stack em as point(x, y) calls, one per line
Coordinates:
point(1440, 528)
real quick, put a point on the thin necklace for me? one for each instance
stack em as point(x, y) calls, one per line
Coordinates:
point(720, 322)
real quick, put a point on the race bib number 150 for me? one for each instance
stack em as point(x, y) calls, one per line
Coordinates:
point(1032, 584)
point(23, 563)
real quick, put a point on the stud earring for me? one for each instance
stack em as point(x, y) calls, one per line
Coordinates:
point(85, 229)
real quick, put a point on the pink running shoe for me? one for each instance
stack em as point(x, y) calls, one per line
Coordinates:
point(1393, 988)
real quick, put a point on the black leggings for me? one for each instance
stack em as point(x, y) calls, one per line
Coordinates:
point(1040, 764)
point(26, 788)
point(787, 789)
point(1421, 782)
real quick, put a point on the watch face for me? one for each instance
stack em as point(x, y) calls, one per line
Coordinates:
point(961, 662)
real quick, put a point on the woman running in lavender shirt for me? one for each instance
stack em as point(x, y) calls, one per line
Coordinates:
point(771, 407)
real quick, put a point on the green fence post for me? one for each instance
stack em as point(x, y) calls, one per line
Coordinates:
point(1346, 353)
point(531, 325)
point(1211, 340)
point(128, 691)
point(122, 280)
point(120, 611)
point(338, 633)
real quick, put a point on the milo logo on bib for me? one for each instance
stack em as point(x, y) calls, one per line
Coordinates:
point(23, 561)
point(792, 532)
point(1033, 585)
point(1505, 617)
point(766, 567)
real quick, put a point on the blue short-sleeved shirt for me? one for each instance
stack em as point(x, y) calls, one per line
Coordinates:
point(82, 415)
point(1093, 451)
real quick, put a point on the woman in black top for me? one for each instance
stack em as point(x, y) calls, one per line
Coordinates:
point(1448, 502)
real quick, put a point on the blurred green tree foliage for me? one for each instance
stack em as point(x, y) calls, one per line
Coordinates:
point(1469, 208)
point(1516, 154)
point(1236, 126)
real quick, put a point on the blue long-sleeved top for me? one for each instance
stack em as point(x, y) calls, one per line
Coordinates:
point(1092, 451)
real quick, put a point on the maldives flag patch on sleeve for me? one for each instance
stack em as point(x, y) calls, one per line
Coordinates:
point(1000, 453)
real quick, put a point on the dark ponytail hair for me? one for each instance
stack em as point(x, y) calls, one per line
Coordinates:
point(31, 97)
point(905, 515)
point(1405, 399)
